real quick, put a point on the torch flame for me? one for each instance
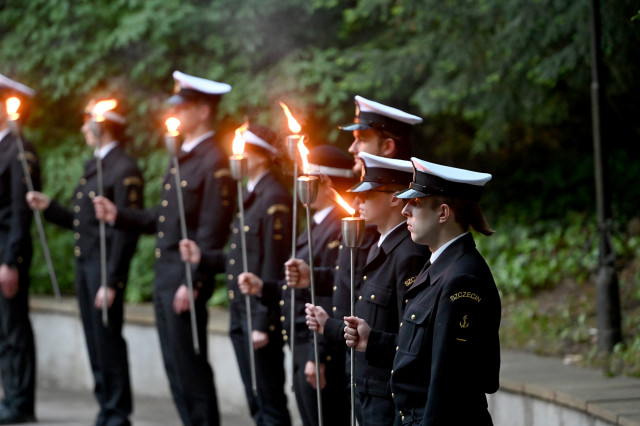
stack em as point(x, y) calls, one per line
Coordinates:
point(172, 124)
point(13, 104)
point(238, 140)
point(303, 155)
point(293, 124)
point(102, 107)
point(338, 199)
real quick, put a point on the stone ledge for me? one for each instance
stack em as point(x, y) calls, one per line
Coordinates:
point(137, 314)
point(615, 400)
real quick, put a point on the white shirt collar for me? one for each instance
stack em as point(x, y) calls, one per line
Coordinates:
point(382, 237)
point(321, 215)
point(4, 133)
point(438, 252)
point(104, 150)
point(251, 184)
point(187, 146)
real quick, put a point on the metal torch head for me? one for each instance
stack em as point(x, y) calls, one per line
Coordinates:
point(96, 129)
point(353, 231)
point(172, 144)
point(14, 127)
point(292, 147)
point(238, 165)
point(308, 189)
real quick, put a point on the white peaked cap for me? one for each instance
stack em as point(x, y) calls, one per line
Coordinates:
point(6, 82)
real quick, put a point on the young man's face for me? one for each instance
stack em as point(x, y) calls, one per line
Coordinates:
point(374, 206)
point(422, 220)
point(368, 141)
point(89, 137)
point(189, 114)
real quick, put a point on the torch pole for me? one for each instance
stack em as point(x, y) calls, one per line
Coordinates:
point(187, 266)
point(292, 149)
point(103, 241)
point(13, 125)
point(352, 235)
point(238, 165)
point(308, 187)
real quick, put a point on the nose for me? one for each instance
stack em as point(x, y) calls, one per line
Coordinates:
point(407, 211)
point(353, 149)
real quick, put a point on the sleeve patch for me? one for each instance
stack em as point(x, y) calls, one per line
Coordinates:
point(222, 172)
point(333, 244)
point(464, 294)
point(278, 208)
point(132, 180)
point(410, 281)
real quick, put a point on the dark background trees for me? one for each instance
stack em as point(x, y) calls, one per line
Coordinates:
point(503, 86)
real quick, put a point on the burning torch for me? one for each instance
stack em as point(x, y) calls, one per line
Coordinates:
point(13, 104)
point(308, 192)
point(171, 140)
point(97, 117)
point(238, 167)
point(292, 151)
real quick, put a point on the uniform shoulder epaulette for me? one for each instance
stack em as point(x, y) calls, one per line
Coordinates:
point(132, 180)
point(333, 244)
point(283, 208)
point(222, 172)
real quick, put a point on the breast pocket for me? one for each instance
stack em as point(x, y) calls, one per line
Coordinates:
point(414, 329)
point(377, 299)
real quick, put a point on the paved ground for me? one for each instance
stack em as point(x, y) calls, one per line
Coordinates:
point(57, 407)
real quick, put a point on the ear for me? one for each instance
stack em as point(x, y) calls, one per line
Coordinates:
point(445, 213)
point(387, 148)
point(396, 202)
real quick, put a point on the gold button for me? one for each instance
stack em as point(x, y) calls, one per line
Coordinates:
point(285, 338)
point(165, 203)
point(172, 170)
point(391, 371)
point(199, 284)
point(83, 181)
point(246, 228)
point(231, 294)
point(233, 246)
point(373, 297)
point(393, 395)
point(92, 194)
point(161, 218)
point(76, 222)
point(401, 413)
point(337, 267)
point(360, 298)
point(235, 230)
point(328, 357)
point(183, 184)
point(167, 186)
point(413, 316)
point(76, 236)
point(335, 309)
point(284, 332)
point(232, 262)
point(284, 287)
point(282, 318)
point(364, 278)
point(400, 324)
point(238, 215)
point(272, 327)
point(230, 276)
point(406, 301)
point(76, 209)
point(397, 347)
point(120, 285)
point(335, 287)
point(158, 253)
point(282, 303)
point(76, 251)
point(79, 195)
point(403, 418)
point(160, 234)
point(340, 246)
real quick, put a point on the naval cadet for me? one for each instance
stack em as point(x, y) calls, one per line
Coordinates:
point(17, 349)
point(333, 166)
point(123, 184)
point(267, 226)
point(208, 198)
point(446, 355)
point(391, 267)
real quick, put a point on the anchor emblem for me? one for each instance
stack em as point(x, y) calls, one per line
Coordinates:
point(464, 323)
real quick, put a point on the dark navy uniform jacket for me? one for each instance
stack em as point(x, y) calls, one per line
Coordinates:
point(448, 351)
point(267, 219)
point(15, 214)
point(122, 183)
point(389, 272)
point(209, 196)
point(325, 240)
